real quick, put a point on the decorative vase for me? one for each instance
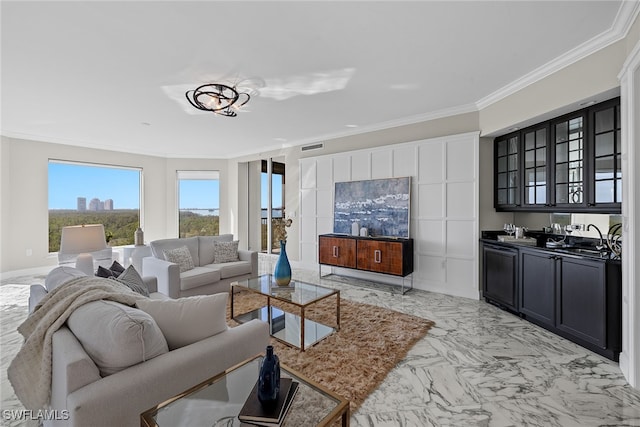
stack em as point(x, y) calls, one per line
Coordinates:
point(355, 228)
point(138, 237)
point(269, 378)
point(282, 272)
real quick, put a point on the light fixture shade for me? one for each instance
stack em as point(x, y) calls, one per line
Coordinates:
point(79, 239)
point(218, 98)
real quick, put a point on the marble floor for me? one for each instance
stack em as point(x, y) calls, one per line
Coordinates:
point(479, 366)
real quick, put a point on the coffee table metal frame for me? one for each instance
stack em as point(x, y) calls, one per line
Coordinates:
point(341, 410)
point(270, 290)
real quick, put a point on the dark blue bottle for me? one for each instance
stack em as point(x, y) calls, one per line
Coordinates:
point(269, 378)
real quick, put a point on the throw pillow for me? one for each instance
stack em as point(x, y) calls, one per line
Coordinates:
point(116, 336)
point(225, 251)
point(132, 279)
point(180, 256)
point(184, 321)
point(116, 268)
point(60, 275)
point(104, 272)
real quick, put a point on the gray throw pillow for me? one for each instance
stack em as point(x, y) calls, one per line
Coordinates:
point(180, 256)
point(116, 336)
point(225, 251)
point(132, 279)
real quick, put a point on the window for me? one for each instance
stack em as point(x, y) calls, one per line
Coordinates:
point(83, 193)
point(198, 203)
point(275, 187)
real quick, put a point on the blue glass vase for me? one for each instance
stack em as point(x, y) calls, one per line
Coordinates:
point(269, 378)
point(282, 272)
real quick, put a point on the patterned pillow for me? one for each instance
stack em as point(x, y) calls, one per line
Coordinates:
point(225, 251)
point(132, 279)
point(180, 256)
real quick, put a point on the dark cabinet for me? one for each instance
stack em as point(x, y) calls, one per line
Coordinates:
point(582, 301)
point(577, 297)
point(500, 275)
point(537, 286)
point(570, 164)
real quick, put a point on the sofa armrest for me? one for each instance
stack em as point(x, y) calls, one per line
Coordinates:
point(71, 367)
point(36, 293)
point(147, 384)
point(245, 255)
point(151, 282)
point(166, 273)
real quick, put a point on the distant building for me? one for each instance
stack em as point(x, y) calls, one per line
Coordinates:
point(94, 204)
point(101, 206)
point(82, 204)
point(108, 205)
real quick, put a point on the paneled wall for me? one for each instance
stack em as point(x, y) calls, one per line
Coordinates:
point(444, 206)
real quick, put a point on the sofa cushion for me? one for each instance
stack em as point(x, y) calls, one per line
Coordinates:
point(184, 321)
point(116, 336)
point(231, 269)
point(199, 276)
point(205, 247)
point(180, 256)
point(133, 281)
point(225, 251)
point(60, 275)
point(159, 246)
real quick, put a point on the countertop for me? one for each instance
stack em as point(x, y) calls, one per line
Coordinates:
point(575, 247)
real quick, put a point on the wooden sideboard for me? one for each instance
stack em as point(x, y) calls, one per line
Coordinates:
point(385, 255)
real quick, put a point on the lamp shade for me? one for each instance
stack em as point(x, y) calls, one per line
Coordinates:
point(79, 239)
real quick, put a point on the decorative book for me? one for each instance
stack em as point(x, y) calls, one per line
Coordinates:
point(253, 412)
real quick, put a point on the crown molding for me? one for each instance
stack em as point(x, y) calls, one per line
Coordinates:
point(418, 118)
point(625, 17)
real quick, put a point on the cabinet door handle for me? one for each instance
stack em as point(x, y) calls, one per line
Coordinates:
point(377, 256)
point(335, 252)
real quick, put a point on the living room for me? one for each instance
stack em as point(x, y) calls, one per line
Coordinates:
point(603, 72)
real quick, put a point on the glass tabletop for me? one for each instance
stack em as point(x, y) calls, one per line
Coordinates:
point(297, 292)
point(218, 401)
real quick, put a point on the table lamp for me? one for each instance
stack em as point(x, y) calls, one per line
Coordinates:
point(82, 240)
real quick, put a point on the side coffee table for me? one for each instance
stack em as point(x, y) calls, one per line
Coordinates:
point(218, 400)
point(294, 329)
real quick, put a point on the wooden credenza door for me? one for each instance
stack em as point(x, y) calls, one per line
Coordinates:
point(380, 256)
point(337, 251)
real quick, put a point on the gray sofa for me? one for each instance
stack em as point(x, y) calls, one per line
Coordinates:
point(207, 276)
point(118, 399)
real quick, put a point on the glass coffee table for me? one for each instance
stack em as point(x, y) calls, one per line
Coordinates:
point(217, 401)
point(294, 329)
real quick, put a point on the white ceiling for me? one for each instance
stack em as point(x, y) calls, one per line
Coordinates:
point(113, 74)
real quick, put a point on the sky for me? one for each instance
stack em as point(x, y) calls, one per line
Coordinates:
point(67, 182)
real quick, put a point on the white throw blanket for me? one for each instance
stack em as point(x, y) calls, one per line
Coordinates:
point(30, 371)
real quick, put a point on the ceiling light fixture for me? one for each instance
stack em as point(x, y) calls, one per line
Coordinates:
point(218, 98)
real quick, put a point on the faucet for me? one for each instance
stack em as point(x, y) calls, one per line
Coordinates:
point(600, 245)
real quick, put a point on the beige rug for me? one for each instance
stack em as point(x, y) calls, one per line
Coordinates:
point(355, 360)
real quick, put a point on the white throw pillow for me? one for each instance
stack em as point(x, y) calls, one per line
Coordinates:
point(60, 275)
point(180, 256)
point(184, 321)
point(116, 336)
point(225, 251)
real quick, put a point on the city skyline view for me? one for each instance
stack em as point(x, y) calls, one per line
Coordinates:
point(68, 182)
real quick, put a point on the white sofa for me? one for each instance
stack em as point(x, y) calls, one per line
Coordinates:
point(207, 276)
point(118, 399)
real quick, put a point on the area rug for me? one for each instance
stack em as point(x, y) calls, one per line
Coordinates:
point(355, 360)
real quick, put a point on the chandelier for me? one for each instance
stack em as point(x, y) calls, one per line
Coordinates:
point(218, 98)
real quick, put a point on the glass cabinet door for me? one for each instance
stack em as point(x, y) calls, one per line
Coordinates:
point(607, 163)
point(507, 189)
point(569, 139)
point(535, 167)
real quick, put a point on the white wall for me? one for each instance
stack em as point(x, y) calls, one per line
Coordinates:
point(24, 214)
point(444, 205)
